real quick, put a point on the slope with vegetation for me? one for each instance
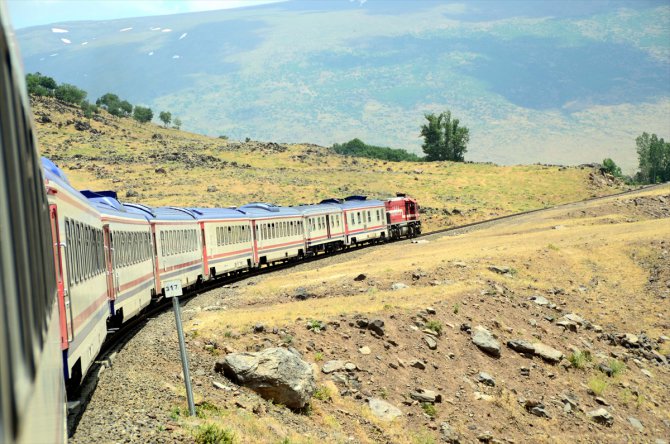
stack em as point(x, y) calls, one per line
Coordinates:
point(163, 166)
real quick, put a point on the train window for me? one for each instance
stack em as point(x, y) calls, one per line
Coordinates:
point(352, 218)
point(369, 216)
point(358, 217)
point(162, 243)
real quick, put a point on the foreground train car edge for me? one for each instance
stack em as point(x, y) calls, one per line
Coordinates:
point(32, 396)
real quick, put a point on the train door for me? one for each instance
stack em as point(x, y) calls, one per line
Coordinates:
point(64, 303)
point(205, 259)
point(410, 210)
point(254, 234)
point(109, 264)
point(328, 226)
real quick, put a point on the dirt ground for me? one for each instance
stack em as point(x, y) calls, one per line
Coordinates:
point(604, 264)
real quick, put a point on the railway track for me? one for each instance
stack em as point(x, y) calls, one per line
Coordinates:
point(117, 339)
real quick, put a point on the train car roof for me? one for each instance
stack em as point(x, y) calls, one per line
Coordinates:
point(266, 210)
point(318, 208)
point(107, 204)
point(54, 174)
point(217, 213)
point(160, 213)
point(352, 204)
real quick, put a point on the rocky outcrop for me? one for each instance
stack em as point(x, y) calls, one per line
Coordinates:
point(277, 374)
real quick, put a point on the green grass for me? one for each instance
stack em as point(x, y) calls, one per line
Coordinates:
point(213, 434)
point(598, 385)
point(617, 367)
point(206, 409)
point(429, 409)
point(579, 359)
point(318, 357)
point(435, 326)
point(457, 308)
point(323, 393)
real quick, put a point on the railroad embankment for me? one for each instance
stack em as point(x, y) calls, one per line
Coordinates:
point(549, 327)
point(154, 165)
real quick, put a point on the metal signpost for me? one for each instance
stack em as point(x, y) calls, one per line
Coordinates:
point(173, 290)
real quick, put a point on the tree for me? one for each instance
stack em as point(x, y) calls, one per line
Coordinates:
point(88, 108)
point(40, 85)
point(611, 167)
point(166, 117)
point(69, 93)
point(443, 138)
point(143, 114)
point(114, 105)
point(654, 158)
point(177, 123)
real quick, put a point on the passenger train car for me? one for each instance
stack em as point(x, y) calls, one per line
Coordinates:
point(32, 395)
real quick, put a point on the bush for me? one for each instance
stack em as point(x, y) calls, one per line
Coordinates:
point(88, 108)
point(578, 359)
point(617, 367)
point(143, 114)
point(429, 409)
point(39, 85)
point(323, 393)
point(69, 93)
point(435, 326)
point(114, 105)
point(213, 434)
point(598, 385)
point(610, 167)
point(358, 148)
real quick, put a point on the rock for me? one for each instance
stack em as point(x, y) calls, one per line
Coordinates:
point(575, 318)
point(301, 294)
point(377, 326)
point(398, 286)
point(540, 300)
point(547, 353)
point(601, 401)
point(449, 435)
point(332, 366)
point(219, 386)
point(486, 379)
point(432, 343)
point(417, 364)
point(360, 277)
point(483, 339)
point(601, 416)
point(423, 395)
point(132, 193)
point(259, 328)
point(383, 410)
point(365, 350)
point(500, 269)
point(275, 373)
point(212, 189)
point(536, 408)
point(524, 371)
point(605, 369)
point(647, 373)
point(636, 423)
point(362, 323)
point(521, 346)
point(483, 396)
point(568, 325)
point(459, 264)
point(630, 340)
point(350, 367)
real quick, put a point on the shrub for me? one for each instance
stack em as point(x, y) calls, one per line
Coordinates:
point(457, 307)
point(597, 385)
point(617, 367)
point(40, 85)
point(323, 393)
point(213, 434)
point(435, 326)
point(69, 93)
point(358, 148)
point(429, 409)
point(578, 359)
point(205, 409)
point(318, 356)
point(143, 114)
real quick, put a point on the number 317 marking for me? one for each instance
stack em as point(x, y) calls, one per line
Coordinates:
point(172, 289)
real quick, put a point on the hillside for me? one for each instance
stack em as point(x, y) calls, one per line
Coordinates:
point(161, 166)
point(589, 281)
point(535, 81)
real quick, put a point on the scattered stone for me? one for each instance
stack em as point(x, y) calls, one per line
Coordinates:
point(423, 395)
point(636, 423)
point(647, 373)
point(431, 310)
point(601, 416)
point(605, 369)
point(524, 371)
point(377, 326)
point(132, 193)
point(365, 350)
point(536, 408)
point(259, 328)
point(630, 340)
point(432, 343)
point(540, 300)
point(547, 353)
point(350, 367)
point(483, 396)
point(417, 364)
point(486, 379)
point(275, 373)
point(212, 189)
point(398, 286)
point(466, 328)
point(449, 435)
point(602, 401)
point(360, 277)
point(483, 339)
point(460, 264)
point(301, 294)
point(332, 366)
point(383, 410)
point(521, 346)
point(500, 269)
point(218, 385)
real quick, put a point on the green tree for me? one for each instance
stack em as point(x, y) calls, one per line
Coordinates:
point(143, 114)
point(165, 117)
point(40, 85)
point(611, 167)
point(654, 158)
point(114, 105)
point(444, 138)
point(177, 123)
point(69, 93)
point(126, 108)
point(358, 148)
point(88, 108)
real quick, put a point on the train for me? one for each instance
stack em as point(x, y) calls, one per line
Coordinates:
point(115, 258)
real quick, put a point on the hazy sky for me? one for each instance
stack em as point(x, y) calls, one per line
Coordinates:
point(25, 13)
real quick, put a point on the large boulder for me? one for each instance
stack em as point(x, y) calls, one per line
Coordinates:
point(277, 374)
point(383, 410)
point(483, 339)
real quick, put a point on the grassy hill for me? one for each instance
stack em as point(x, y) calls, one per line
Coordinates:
point(160, 166)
